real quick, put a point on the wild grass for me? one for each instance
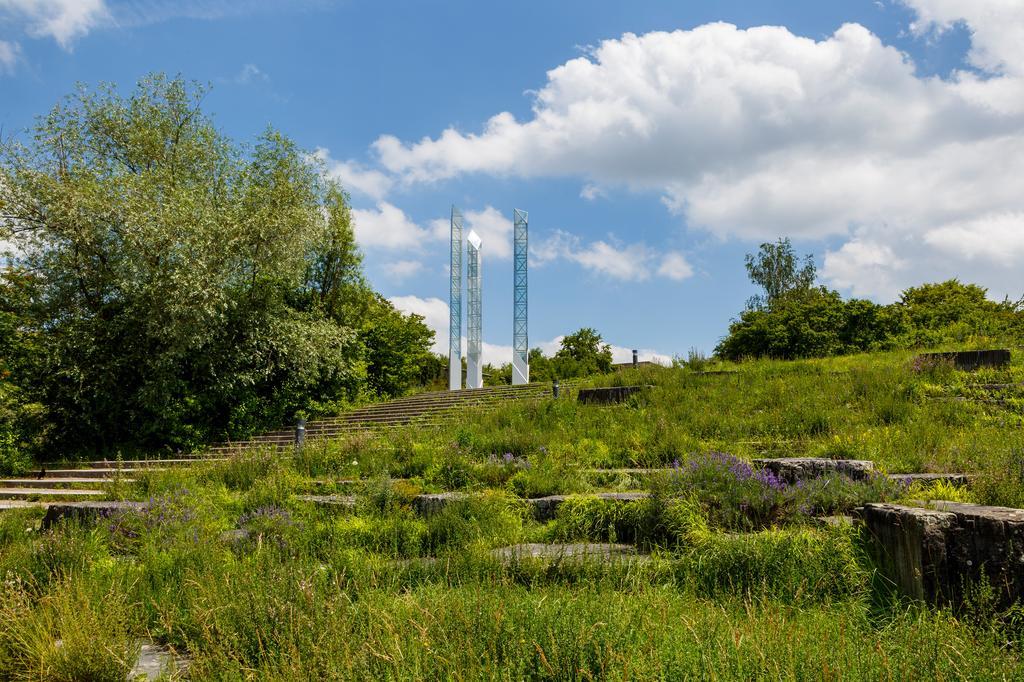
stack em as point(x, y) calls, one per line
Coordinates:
point(737, 580)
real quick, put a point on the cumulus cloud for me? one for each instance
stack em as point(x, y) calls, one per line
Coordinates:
point(62, 20)
point(387, 227)
point(757, 133)
point(625, 262)
point(494, 228)
point(10, 52)
point(354, 177)
point(997, 32)
point(403, 269)
point(675, 266)
point(435, 316)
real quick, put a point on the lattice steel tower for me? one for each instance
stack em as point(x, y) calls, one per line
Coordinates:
point(455, 305)
point(474, 356)
point(520, 338)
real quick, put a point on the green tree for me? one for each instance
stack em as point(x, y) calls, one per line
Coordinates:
point(582, 353)
point(397, 347)
point(177, 272)
point(776, 269)
point(816, 322)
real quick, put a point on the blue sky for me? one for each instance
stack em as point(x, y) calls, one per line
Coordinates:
point(653, 143)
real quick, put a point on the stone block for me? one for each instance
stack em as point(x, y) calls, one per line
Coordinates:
point(431, 503)
point(793, 469)
point(84, 512)
point(607, 396)
point(968, 360)
point(545, 508)
point(575, 551)
point(934, 553)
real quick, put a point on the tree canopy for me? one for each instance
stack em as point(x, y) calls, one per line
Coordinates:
point(795, 319)
point(180, 286)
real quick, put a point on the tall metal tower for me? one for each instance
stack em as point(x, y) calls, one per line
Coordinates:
point(455, 305)
point(520, 339)
point(474, 361)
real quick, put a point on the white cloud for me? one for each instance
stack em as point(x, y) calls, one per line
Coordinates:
point(675, 266)
point(10, 53)
point(865, 267)
point(997, 31)
point(251, 73)
point(760, 133)
point(62, 20)
point(435, 316)
point(591, 191)
point(630, 262)
point(403, 269)
point(494, 228)
point(354, 177)
point(387, 227)
point(998, 238)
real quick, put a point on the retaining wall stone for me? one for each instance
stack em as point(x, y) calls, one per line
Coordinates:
point(793, 469)
point(934, 553)
point(607, 396)
point(970, 360)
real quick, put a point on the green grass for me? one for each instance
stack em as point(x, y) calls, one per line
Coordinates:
point(380, 592)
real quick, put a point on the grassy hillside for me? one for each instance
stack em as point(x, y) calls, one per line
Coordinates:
point(738, 579)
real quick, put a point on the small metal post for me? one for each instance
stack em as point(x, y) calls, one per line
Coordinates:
point(635, 355)
point(554, 388)
point(300, 433)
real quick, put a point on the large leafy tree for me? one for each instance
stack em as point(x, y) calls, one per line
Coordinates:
point(183, 286)
point(582, 353)
point(777, 270)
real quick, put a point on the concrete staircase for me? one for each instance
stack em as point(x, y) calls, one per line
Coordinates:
point(93, 478)
point(423, 409)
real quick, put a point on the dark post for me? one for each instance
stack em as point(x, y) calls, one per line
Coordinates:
point(300, 433)
point(554, 388)
point(635, 355)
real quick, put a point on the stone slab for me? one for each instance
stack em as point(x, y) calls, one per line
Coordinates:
point(157, 662)
point(84, 512)
point(20, 504)
point(431, 503)
point(545, 508)
point(607, 396)
point(793, 469)
point(51, 482)
point(908, 479)
point(933, 552)
point(329, 500)
point(577, 551)
point(16, 493)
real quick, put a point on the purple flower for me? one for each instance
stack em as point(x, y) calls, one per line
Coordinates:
point(770, 480)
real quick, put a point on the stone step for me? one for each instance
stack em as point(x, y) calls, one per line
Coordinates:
point(148, 463)
point(54, 482)
point(908, 479)
point(576, 551)
point(98, 472)
point(19, 504)
point(25, 493)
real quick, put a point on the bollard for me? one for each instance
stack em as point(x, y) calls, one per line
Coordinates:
point(300, 433)
point(635, 356)
point(554, 388)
